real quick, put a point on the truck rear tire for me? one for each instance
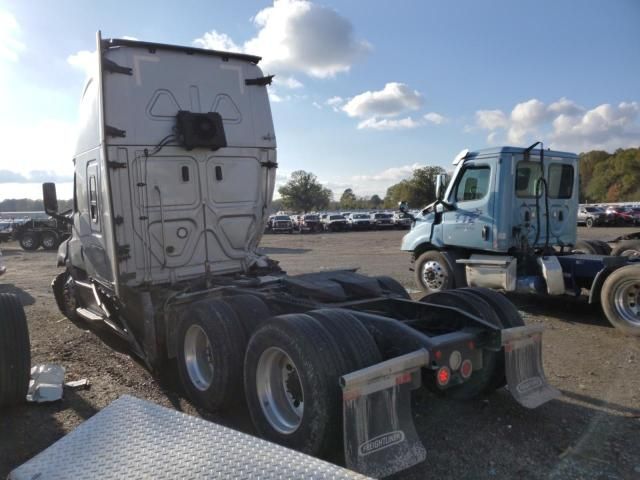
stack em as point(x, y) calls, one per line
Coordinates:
point(29, 241)
point(627, 248)
point(291, 372)
point(483, 380)
point(356, 344)
point(251, 311)
point(620, 299)
point(15, 352)
point(393, 286)
point(433, 273)
point(211, 345)
point(509, 317)
point(588, 247)
point(49, 240)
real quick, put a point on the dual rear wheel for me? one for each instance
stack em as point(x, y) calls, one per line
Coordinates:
point(286, 367)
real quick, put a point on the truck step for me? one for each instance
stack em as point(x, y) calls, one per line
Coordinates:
point(89, 315)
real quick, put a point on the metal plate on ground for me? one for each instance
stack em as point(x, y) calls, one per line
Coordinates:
point(133, 438)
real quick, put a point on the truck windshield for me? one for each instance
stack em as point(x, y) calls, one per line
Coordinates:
point(560, 180)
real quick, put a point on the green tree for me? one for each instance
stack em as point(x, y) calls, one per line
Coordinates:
point(304, 193)
point(348, 200)
point(375, 201)
point(418, 191)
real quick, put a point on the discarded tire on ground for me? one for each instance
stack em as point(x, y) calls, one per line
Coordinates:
point(620, 297)
point(291, 372)
point(211, 344)
point(15, 352)
point(487, 378)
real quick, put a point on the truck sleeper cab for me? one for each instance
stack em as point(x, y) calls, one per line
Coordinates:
point(174, 174)
point(507, 220)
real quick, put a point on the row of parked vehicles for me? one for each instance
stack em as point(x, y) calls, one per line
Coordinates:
point(336, 222)
point(608, 215)
point(33, 230)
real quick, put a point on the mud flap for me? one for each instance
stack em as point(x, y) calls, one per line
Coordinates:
point(523, 366)
point(379, 435)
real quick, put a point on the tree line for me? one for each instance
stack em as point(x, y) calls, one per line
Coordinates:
point(30, 205)
point(610, 177)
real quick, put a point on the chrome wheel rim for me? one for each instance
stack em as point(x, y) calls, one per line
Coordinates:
point(198, 357)
point(28, 242)
point(48, 242)
point(434, 275)
point(280, 390)
point(626, 297)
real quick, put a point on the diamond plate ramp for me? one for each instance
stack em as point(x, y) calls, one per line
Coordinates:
point(132, 438)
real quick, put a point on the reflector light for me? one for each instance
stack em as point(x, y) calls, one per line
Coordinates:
point(444, 375)
point(466, 369)
point(438, 355)
point(455, 359)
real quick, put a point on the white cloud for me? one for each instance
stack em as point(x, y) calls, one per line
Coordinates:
point(565, 124)
point(287, 82)
point(388, 123)
point(10, 46)
point(394, 99)
point(491, 119)
point(317, 105)
point(84, 61)
point(297, 36)
point(435, 118)
point(217, 41)
point(605, 127)
point(335, 103)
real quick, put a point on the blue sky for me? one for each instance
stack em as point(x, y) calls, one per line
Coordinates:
point(365, 92)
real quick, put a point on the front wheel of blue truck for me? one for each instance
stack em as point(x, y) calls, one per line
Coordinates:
point(620, 299)
point(433, 273)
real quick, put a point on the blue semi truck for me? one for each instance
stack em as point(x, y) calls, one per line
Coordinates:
point(507, 220)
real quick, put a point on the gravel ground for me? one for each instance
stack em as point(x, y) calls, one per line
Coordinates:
point(592, 431)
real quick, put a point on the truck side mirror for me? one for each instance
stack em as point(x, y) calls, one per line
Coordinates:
point(50, 199)
point(441, 182)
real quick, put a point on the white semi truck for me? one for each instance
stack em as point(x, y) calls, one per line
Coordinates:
point(174, 173)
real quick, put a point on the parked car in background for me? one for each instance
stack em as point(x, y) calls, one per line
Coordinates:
point(591, 216)
point(382, 220)
point(335, 222)
point(359, 221)
point(400, 220)
point(635, 213)
point(620, 216)
point(309, 222)
point(281, 223)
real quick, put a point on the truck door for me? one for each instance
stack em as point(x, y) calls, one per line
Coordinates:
point(469, 223)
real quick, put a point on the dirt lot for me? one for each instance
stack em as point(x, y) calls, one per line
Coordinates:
point(592, 431)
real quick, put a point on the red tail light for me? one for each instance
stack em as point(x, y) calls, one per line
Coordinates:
point(443, 376)
point(466, 369)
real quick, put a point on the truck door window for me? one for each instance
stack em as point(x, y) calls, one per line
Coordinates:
point(560, 180)
point(527, 174)
point(93, 199)
point(474, 184)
